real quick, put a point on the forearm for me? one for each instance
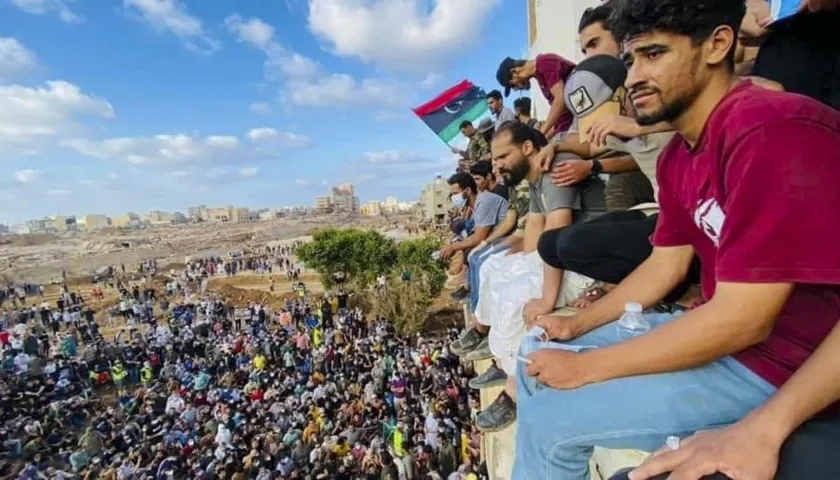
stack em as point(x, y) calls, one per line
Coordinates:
point(472, 241)
point(504, 229)
point(813, 387)
point(554, 113)
point(619, 164)
point(552, 281)
point(700, 336)
point(533, 229)
point(572, 144)
point(647, 285)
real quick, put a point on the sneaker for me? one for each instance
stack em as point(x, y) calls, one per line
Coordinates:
point(481, 352)
point(468, 341)
point(459, 294)
point(492, 377)
point(498, 415)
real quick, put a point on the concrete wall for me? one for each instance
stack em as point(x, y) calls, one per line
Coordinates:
point(554, 30)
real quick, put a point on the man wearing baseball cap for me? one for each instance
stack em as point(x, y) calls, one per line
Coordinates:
point(609, 249)
point(550, 71)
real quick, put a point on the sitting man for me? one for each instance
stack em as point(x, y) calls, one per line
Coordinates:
point(489, 212)
point(515, 147)
point(746, 185)
point(611, 247)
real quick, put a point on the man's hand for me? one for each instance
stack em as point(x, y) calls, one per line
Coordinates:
point(571, 172)
point(546, 156)
point(557, 327)
point(616, 125)
point(455, 150)
point(740, 451)
point(820, 5)
point(534, 308)
point(558, 369)
point(446, 252)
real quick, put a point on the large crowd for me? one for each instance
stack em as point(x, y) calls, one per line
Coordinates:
point(650, 266)
point(192, 387)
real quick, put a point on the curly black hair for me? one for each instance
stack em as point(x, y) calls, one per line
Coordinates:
point(696, 19)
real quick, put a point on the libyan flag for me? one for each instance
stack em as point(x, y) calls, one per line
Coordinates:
point(444, 113)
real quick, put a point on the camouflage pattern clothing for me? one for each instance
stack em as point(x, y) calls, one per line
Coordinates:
point(519, 201)
point(477, 148)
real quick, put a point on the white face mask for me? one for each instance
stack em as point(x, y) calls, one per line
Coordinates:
point(459, 200)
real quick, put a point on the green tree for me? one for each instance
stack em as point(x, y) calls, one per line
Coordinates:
point(359, 255)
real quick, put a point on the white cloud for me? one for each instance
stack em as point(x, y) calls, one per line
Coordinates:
point(183, 148)
point(58, 192)
point(404, 34)
point(248, 171)
point(42, 7)
point(431, 80)
point(172, 16)
point(259, 108)
point(253, 31)
point(178, 174)
point(389, 156)
point(222, 141)
point(87, 182)
point(273, 137)
point(29, 116)
point(15, 59)
point(342, 90)
point(294, 65)
point(301, 182)
point(27, 175)
point(305, 83)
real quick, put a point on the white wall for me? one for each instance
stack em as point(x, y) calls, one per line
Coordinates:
point(557, 22)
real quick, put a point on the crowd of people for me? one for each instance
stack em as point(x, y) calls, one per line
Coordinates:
point(654, 257)
point(191, 386)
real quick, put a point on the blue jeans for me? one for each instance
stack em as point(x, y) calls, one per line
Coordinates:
point(474, 268)
point(558, 428)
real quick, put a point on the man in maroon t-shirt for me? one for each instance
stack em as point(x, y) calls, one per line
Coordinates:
point(550, 72)
point(749, 185)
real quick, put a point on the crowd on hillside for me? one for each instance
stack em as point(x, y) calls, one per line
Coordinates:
point(654, 257)
point(195, 388)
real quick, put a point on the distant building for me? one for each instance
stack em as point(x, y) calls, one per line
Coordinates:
point(344, 200)
point(128, 220)
point(96, 221)
point(198, 212)
point(227, 214)
point(4, 229)
point(323, 205)
point(267, 215)
point(371, 209)
point(434, 201)
point(64, 223)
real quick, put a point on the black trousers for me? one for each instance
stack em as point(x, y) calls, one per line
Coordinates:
point(803, 54)
point(607, 248)
point(809, 454)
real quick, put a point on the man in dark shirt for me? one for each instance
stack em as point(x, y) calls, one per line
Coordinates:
point(485, 179)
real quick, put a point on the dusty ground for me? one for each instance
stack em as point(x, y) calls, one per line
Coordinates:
point(41, 258)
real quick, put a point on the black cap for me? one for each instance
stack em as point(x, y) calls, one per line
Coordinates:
point(503, 74)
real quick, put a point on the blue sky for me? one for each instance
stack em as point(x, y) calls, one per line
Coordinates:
point(114, 105)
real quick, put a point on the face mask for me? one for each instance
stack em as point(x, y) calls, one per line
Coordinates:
point(459, 200)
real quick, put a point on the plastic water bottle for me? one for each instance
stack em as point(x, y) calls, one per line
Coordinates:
point(633, 322)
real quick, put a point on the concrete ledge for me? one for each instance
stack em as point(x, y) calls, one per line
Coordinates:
point(499, 448)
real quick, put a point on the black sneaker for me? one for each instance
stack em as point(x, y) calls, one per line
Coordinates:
point(492, 377)
point(468, 341)
point(459, 294)
point(479, 353)
point(498, 416)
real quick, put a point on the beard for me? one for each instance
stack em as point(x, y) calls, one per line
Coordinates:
point(514, 176)
point(666, 113)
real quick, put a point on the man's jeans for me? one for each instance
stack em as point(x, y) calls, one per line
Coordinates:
point(559, 428)
point(475, 261)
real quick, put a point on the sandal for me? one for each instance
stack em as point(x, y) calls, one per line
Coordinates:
point(588, 297)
